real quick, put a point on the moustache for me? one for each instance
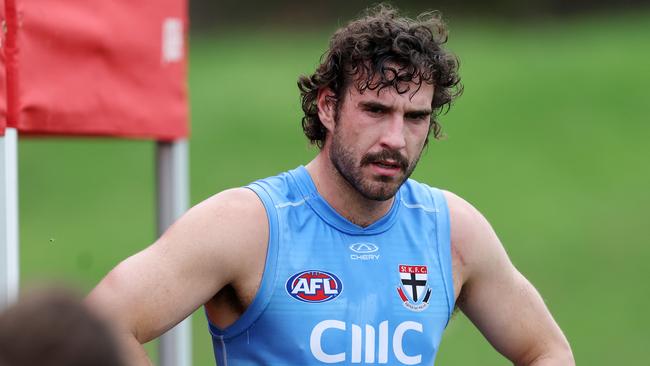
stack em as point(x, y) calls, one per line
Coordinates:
point(383, 155)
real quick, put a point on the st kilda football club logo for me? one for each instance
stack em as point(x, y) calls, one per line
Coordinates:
point(314, 286)
point(414, 291)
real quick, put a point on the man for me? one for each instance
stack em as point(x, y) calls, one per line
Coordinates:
point(344, 261)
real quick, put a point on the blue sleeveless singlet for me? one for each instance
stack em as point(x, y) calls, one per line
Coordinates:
point(333, 292)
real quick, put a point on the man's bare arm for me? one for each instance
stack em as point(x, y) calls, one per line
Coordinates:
point(500, 301)
point(150, 292)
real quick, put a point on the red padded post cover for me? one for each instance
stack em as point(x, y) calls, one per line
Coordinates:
point(95, 68)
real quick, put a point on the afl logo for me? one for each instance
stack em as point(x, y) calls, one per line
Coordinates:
point(314, 286)
point(364, 248)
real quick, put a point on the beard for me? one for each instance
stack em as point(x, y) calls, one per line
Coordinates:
point(372, 187)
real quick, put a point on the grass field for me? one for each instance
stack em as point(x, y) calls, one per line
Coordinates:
point(549, 141)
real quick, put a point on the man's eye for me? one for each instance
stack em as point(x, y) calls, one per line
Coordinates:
point(375, 110)
point(418, 117)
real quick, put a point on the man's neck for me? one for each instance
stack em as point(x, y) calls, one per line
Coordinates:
point(343, 197)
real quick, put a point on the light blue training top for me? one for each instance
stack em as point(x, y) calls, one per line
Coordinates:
point(333, 292)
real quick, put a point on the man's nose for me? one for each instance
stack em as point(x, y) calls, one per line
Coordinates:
point(393, 135)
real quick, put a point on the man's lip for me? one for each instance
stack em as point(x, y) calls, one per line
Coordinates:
point(391, 164)
point(386, 169)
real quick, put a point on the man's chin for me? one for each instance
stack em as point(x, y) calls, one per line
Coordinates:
point(380, 191)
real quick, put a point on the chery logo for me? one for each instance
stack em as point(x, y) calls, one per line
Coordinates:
point(364, 252)
point(364, 248)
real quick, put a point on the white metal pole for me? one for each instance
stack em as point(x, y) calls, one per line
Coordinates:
point(8, 217)
point(173, 200)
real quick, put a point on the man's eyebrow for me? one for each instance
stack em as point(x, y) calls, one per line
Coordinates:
point(419, 112)
point(373, 105)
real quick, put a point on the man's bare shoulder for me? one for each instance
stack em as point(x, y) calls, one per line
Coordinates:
point(215, 238)
point(234, 232)
point(234, 218)
point(466, 221)
point(475, 246)
point(241, 204)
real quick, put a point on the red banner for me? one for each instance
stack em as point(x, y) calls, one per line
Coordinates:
point(95, 68)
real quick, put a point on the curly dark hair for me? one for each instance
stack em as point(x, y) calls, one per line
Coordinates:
point(383, 49)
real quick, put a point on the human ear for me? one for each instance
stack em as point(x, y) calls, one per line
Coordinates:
point(326, 103)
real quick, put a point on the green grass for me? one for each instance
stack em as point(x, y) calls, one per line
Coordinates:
point(549, 141)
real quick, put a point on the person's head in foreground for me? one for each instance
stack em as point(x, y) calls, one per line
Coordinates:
point(53, 328)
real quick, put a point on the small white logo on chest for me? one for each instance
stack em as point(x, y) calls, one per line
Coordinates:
point(364, 252)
